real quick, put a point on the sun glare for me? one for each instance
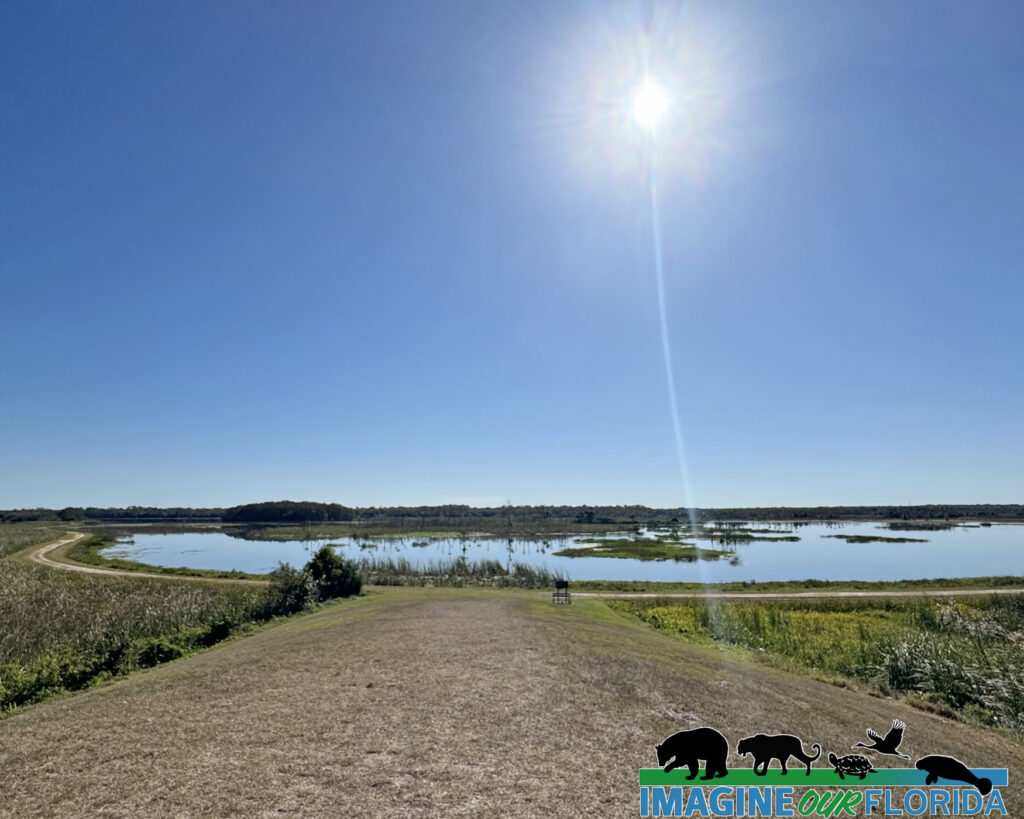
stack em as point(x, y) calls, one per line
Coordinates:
point(650, 104)
point(623, 90)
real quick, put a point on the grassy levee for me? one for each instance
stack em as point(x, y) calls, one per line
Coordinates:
point(430, 702)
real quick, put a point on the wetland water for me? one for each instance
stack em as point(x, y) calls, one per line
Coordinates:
point(963, 551)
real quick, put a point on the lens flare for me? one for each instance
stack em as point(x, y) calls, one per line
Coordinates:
point(650, 105)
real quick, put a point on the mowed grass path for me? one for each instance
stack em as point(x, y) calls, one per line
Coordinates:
point(428, 702)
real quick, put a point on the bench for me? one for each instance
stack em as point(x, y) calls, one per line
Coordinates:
point(561, 592)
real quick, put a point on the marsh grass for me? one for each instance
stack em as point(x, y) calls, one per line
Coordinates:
point(881, 587)
point(389, 571)
point(878, 539)
point(745, 536)
point(431, 528)
point(921, 525)
point(643, 549)
point(961, 657)
point(64, 630)
point(17, 536)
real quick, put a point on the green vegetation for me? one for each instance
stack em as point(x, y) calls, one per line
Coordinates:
point(66, 630)
point(457, 572)
point(292, 590)
point(922, 525)
point(521, 519)
point(325, 577)
point(326, 531)
point(134, 514)
point(643, 549)
point(333, 575)
point(744, 536)
point(288, 582)
point(527, 519)
point(287, 512)
point(877, 539)
point(954, 512)
point(796, 586)
point(14, 538)
point(315, 708)
point(442, 529)
point(958, 657)
point(62, 631)
point(728, 534)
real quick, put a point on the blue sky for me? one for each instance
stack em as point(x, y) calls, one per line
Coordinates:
point(401, 253)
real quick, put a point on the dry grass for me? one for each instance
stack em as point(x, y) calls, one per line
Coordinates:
point(426, 702)
point(16, 536)
point(63, 629)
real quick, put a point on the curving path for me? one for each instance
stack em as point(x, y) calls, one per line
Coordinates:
point(41, 555)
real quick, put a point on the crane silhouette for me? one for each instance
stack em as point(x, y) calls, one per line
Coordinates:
point(888, 744)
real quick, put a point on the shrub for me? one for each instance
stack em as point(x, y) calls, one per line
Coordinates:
point(291, 590)
point(334, 576)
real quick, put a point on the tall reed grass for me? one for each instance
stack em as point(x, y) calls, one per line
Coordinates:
point(389, 571)
point(62, 630)
point(962, 657)
point(16, 536)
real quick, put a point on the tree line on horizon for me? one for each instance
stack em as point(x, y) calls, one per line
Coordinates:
point(315, 512)
point(287, 512)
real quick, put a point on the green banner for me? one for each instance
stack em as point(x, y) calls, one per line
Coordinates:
point(880, 778)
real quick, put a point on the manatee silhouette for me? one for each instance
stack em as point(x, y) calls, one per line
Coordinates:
point(947, 767)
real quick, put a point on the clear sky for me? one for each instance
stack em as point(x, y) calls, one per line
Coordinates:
point(402, 253)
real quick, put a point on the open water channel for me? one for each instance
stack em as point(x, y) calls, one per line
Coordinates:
point(963, 551)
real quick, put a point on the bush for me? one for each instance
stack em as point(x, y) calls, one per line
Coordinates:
point(334, 576)
point(291, 590)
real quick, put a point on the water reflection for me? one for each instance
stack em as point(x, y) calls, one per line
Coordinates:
point(762, 551)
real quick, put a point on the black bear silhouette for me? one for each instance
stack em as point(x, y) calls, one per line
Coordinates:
point(689, 747)
point(778, 746)
point(889, 744)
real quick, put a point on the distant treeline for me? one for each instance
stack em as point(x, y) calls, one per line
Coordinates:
point(515, 516)
point(520, 514)
point(287, 512)
point(982, 511)
point(127, 513)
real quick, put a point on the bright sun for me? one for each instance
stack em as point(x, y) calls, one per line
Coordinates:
point(650, 104)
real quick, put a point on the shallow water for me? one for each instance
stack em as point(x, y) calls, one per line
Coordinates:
point(959, 552)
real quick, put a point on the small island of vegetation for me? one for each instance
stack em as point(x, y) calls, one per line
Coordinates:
point(643, 549)
point(878, 539)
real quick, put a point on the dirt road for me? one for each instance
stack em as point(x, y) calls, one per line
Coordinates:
point(427, 703)
point(41, 555)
